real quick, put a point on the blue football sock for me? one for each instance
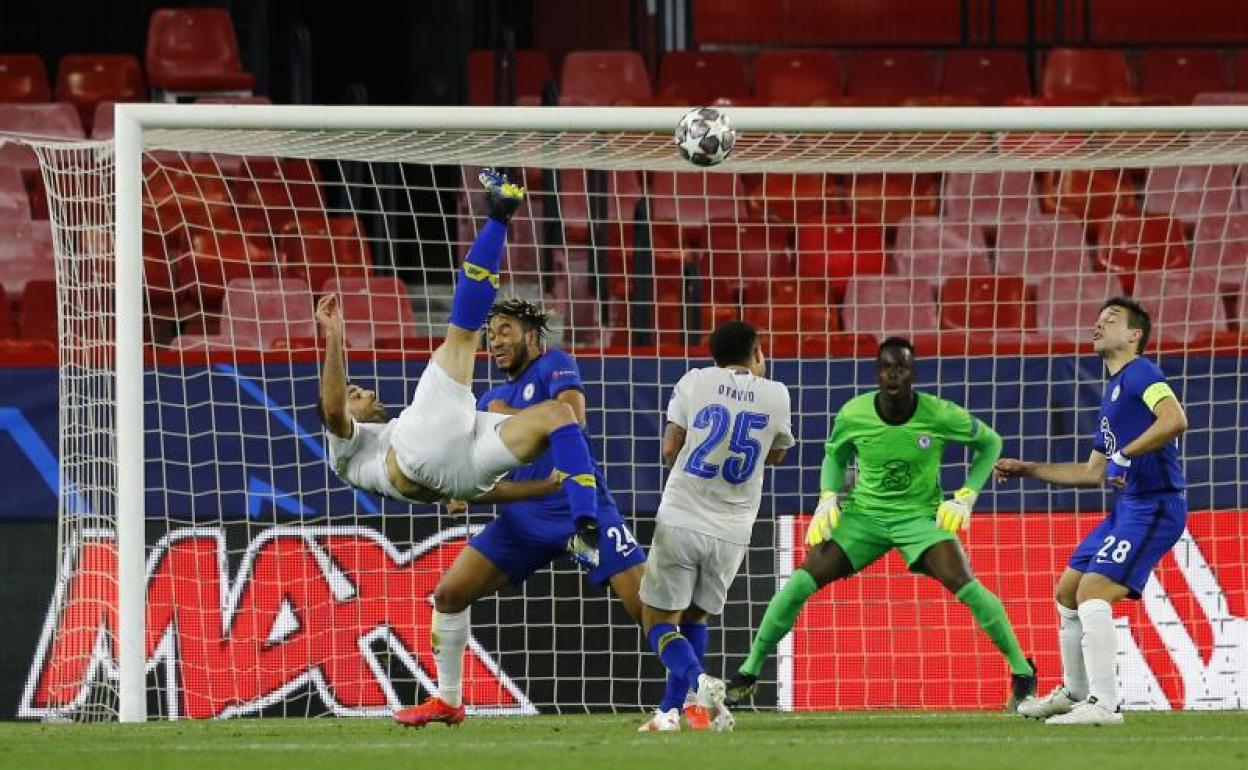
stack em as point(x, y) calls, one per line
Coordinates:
point(677, 688)
point(477, 285)
point(677, 654)
point(567, 444)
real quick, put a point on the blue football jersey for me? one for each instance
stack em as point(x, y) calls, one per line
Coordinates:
point(545, 377)
point(1126, 412)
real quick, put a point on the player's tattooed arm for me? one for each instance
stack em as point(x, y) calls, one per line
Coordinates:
point(333, 399)
point(673, 442)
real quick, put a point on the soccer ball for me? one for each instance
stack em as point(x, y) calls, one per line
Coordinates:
point(705, 136)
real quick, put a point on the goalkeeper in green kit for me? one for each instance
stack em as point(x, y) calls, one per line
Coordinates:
point(898, 436)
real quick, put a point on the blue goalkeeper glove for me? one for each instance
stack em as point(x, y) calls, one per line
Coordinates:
point(1116, 471)
point(955, 514)
point(827, 516)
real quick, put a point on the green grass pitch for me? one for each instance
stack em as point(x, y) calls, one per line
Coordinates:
point(907, 741)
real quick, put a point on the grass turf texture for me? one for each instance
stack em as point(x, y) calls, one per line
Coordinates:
point(908, 741)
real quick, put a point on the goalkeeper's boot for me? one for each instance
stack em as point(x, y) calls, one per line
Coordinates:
point(662, 722)
point(583, 546)
point(741, 689)
point(433, 710)
point(1022, 687)
point(1088, 712)
point(711, 698)
point(503, 195)
point(697, 717)
point(1060, 701)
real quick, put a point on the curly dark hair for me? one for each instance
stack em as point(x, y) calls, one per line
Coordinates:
point(532, 316)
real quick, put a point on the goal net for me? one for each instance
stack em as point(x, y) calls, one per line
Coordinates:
point(211, 564)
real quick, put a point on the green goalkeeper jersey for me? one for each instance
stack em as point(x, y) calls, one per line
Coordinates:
point(899, 464)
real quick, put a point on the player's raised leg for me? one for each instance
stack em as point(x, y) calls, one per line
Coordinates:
point(470, 577)
point(946, 561)
point(477, 284)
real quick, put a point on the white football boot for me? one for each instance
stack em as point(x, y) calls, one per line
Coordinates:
point(1057, 702)
point(711, 693)
point(1087, 712)
point(662, 722)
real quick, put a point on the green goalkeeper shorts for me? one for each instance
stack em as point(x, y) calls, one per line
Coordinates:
point(866, 538)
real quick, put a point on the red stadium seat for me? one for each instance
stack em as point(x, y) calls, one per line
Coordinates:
point(889, 76)
point(1181, 73)
point(532, 73)
point(86, 80)
point(886, 199)
point(1086, 75)
point(37, 318)
point(257, 312)
point(698, 78)
point(932, 249)
point(745, 257)
point(788, 199)
point(1137, 244)
point(194, 50)
point(102, 120)
point(1089, 196)
point(884, 307)
point(989, 75)
point(1189, 193)
point(601, 78)
point(984, 302)
point(1240, 70)
point(317, 248)
point(57, 121)
point(376, 312)
point(988, 197)
point(1067, 306)
point(1041, 246)
point(682, 203)
point(26, 255)
point(798, 78)
point(187, 195)
point(1220, 247)
point(1185, 305)
point(23, 78)
point(216, 258)
point(7, 330)
point(830, 255)
point(271, 193)
point(14, 201)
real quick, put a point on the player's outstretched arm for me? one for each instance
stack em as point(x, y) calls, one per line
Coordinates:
point(1087, 474)
point(514, 491)
point(334, 371)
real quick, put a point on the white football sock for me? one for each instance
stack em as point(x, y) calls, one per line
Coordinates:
point(1070, 641)
point(1100, 651)
point(449, 636)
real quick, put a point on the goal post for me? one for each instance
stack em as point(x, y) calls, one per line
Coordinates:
point(618, 309)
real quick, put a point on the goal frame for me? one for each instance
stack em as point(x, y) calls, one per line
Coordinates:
point(133, 122)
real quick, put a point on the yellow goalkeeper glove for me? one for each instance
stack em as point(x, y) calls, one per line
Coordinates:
point(955, 514)
point(827, 516)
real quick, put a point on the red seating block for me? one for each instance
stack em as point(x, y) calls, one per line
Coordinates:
point(788, 198)
point(988, 197)
point(798, 78)
point(989, 75)
point(187, 195)
point(257, 312)
point(1181, 73)
point(682, 203)
point(273, 192)
point(1041, 246)
point(14, 202)
point(373, 310)
point(698, 78)
point(1086, 75)
point(25, 255)
point(741, 261)
point(601, 78)
point(194, 50)
point(885, 307)
point(830, 255)
point(932, 249)
point(1067, 306)
point(1220, 247)
point(23, 78)
point(85, 80)
point(1185, 305)
point(7, 330)
point(37, 317)
point(318, 248)
point(886, 199)
point(57, 120)
point(889, 76)
point(1135, 244)
point(1190, 193)
point(215, 259)
point(1089, 196)
point(985, 302)
point(532, 73)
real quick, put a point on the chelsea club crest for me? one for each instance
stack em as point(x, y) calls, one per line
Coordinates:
point(528, 392)
point(925, 441)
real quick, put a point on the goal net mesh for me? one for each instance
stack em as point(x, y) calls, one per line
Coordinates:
point(275, 589)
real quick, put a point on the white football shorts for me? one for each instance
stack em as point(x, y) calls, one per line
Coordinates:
point(686, 568)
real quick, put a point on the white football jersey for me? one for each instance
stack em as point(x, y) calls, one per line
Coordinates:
point(361, 460)
point(732, 419)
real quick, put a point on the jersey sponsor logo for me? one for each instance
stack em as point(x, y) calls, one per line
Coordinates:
point(897, 476)
point(1117, 391)
point(529, 390)
point(1182, 646)
point(355, 621)
point(925, 441)
point(1107, 437)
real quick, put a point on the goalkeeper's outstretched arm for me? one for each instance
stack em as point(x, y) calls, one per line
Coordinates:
point(333, 401)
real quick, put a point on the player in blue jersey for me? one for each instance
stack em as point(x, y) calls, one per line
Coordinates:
point(1136, 452)
point(528, 533)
